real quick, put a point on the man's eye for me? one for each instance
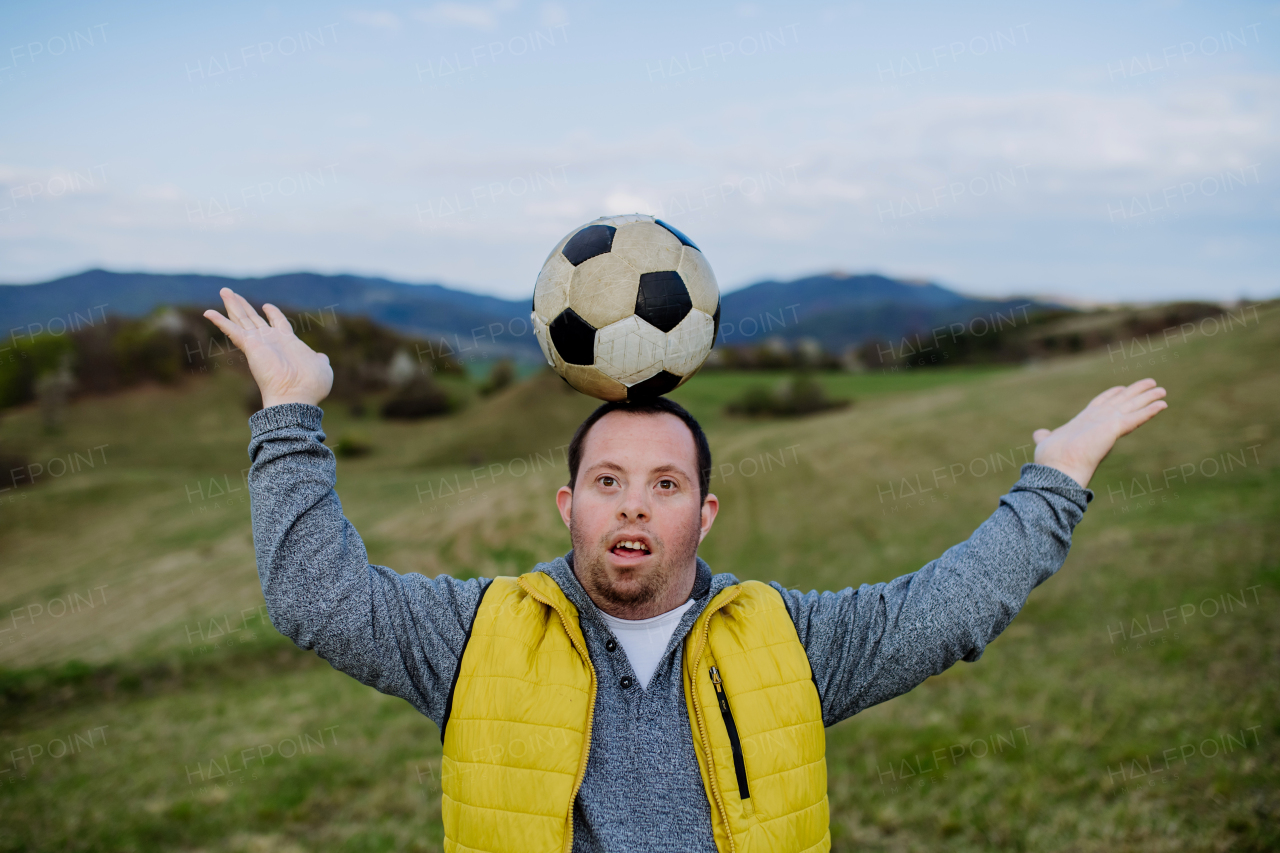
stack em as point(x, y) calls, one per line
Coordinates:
point(607, 481)
point(666, 484)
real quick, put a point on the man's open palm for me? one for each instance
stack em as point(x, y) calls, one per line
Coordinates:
point(1077, 447)
point(286, 369)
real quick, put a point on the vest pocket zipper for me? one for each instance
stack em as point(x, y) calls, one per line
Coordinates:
point(739, 766)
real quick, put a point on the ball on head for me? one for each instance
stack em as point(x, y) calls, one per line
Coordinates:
point(626, 308)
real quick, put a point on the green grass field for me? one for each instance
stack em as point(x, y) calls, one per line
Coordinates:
point(131, 629)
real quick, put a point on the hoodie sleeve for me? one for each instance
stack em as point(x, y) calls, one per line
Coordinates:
point(402, 634)
point(878, 641)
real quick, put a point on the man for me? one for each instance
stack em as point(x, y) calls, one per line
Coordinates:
point(623, 697)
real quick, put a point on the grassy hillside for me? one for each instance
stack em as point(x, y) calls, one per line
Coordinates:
point(161, 664)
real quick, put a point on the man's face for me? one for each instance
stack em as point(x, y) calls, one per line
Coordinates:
point(638, 484)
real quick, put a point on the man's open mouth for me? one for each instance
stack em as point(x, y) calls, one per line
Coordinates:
point(630, 548)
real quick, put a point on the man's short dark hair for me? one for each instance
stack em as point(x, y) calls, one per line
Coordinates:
point(655, 406)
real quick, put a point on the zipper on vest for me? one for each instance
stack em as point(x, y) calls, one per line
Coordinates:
point(697, 713)
point(739, 766)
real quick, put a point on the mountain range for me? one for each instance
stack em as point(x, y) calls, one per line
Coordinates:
point(836, 309)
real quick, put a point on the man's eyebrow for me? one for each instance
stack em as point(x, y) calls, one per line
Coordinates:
point(659, 469)
point(606, 464)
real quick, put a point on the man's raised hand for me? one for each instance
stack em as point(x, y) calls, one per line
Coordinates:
point(286, 369)
point(1077, 447)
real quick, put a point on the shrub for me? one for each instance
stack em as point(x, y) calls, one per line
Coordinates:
point(421, 397)
point(29, 359)
point(501, 375)
point(351, 446)
point(801, 395)
point(147, 353)
point(10, 461)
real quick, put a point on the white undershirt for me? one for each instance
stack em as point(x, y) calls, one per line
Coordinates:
point(644, 640)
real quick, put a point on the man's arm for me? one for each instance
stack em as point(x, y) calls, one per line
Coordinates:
point(879, 641)
point(403, 635)
point(870, 644)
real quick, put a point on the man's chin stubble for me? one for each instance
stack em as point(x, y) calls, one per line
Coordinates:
point(648, 589)
point(645, 590)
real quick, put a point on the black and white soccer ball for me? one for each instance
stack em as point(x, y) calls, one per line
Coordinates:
point(626, 308)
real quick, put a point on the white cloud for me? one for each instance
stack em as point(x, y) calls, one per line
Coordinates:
point(162, 192)
point(623, 201)
point(26, 185)
point(1083, 144)
point(552, 15)
point(481, 16)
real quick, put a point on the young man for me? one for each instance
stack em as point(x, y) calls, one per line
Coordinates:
point(623, 697)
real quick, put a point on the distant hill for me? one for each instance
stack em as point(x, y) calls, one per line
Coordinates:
point(425, 310)
point(836, 309)
point(841, 310)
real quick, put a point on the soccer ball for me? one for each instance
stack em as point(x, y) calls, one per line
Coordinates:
point(626, 308)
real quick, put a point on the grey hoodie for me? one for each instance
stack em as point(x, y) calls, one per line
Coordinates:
point(405, 634)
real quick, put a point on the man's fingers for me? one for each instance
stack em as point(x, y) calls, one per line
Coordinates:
point(229, 301)
point(253, 315)
point(235, 309)
point(1142, 400)
point(277, 318)
point(244, 312)
point(1136, 419)
point(1106, 395)
point(1040, 435)
point(229, 327)
point(1139, 387)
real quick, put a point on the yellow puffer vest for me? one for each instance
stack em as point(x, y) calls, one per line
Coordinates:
point(519, 729)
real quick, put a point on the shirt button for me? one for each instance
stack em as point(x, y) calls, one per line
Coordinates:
point(625, 683)
point(612, 645)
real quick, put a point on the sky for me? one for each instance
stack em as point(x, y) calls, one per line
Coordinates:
point(1089, 151)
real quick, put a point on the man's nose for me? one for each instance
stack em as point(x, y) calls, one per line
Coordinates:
point(635, 504)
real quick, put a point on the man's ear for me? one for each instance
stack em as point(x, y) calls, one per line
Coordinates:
point(564, 502)
point(710, 507)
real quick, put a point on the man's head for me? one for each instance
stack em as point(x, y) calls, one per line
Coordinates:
point(638, 474)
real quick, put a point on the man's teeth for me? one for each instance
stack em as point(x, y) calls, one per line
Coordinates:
point(632, 546)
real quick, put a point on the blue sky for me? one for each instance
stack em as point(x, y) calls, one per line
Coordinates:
point(1075, 149)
